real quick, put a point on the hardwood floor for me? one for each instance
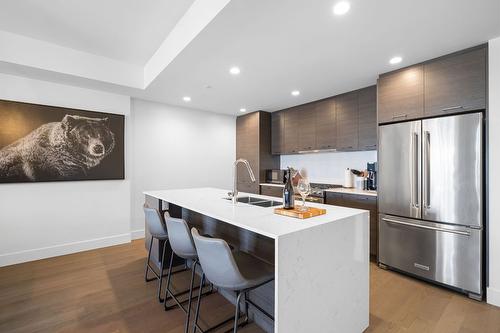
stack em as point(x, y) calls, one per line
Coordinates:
point(104, 291)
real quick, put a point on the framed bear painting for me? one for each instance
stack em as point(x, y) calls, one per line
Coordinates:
point(40, 143)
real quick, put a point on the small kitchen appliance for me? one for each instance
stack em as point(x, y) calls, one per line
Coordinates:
point(372, 176)
point(275, 176)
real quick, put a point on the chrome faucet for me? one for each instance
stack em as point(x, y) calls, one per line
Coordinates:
point(234, 194)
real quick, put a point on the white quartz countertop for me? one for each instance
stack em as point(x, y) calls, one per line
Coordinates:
point(352, 191)
point(261, 220)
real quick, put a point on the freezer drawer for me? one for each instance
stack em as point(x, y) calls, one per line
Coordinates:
point(446, 254)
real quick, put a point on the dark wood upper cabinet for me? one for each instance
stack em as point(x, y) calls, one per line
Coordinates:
point(291, 132)
point(401, 94)
point(307, 127)
point(277, 132)
point(456, 83)
point(346, 109)
point(367, 118)
point(346, 122)
point(253, 143)
point(326, 127)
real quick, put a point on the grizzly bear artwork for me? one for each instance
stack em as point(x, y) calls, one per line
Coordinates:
point(70, 149)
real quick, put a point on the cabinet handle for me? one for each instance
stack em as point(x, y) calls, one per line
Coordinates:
point(453, 108)
point(400, 116)
point(370, 146)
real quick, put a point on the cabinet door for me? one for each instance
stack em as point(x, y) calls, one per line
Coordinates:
point(326, 127)
point(456, 83)
point(247, 147)
point(307, 127)
point(367, 122)
point(277, 131)
point(346, 107)
point(401, 95)
point(291, 131)
point(360, 202)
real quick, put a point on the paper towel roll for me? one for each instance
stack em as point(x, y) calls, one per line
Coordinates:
point(348, 178)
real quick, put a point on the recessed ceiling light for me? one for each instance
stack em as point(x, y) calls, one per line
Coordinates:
point(295, 93)
point(395, 60)
point(234, 70)
point(341, 8)
point(243, 110)
point(186, 99)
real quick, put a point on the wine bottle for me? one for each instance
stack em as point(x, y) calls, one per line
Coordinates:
point(288, 195)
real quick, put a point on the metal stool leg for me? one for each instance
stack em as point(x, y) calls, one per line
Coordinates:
point(198, 303)
point(147, 262)
point(237, 311)
point(188, 315)
point(169, 275)
point(246, 307)
point(162, 267)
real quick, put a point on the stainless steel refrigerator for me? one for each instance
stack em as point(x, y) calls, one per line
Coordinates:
point(430, 199)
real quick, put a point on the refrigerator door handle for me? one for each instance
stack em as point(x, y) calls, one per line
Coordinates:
point(427, 168)
point(459, 232)
point(415, 171)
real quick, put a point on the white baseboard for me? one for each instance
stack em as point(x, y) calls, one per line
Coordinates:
point(62, 249)
point(493, 296)
point(137, 234)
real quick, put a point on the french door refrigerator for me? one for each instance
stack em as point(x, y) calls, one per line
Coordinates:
point(431, 200)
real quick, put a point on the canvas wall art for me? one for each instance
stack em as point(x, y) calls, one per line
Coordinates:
point(40, 143)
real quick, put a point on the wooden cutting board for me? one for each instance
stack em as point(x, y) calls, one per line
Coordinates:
point(295, 212)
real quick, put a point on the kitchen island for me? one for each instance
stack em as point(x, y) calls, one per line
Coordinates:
point(321, 264)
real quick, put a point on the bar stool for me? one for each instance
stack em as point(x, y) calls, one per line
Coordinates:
point(239, 272)
point(182, 245)
point(158, 231)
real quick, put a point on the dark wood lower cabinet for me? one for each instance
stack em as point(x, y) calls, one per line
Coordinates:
point(272, 191)
point(360, 202)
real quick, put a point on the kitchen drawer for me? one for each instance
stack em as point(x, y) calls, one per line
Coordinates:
point(446, 256)
point(272, 191)
point(360, 201)
point(333, 198)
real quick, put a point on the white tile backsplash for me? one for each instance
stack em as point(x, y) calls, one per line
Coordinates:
point(328, 167)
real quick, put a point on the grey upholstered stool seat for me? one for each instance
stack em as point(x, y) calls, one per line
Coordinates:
point(158, 231)
point(254, 271)
point(239, 272)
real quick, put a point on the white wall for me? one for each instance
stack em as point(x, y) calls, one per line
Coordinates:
point(40, 220)
point(493, 292)
point(176, 147)
point(329, 167)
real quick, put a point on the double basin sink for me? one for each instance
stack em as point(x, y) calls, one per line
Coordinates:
point(258, 201)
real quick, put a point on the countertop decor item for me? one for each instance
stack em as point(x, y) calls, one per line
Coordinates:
point(300, 214)
point(304, 189)
point(348, 178)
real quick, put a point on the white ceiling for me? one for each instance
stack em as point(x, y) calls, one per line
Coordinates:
point(125, 30)
point(280, 45)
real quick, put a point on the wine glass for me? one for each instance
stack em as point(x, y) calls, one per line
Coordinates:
point(304, 189)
